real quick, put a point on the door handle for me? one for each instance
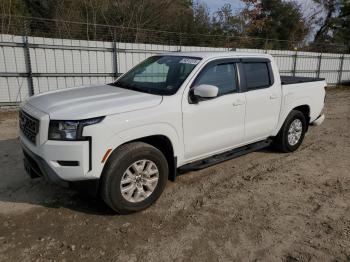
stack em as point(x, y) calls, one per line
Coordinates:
point(238, 103)
point(273, 96)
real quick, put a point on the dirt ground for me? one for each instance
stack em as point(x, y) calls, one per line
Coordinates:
point(265, 206)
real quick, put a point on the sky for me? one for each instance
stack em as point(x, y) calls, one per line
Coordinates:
point(214, 5)
point(236, 5)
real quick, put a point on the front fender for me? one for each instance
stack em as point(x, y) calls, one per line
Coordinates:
point(143, 131)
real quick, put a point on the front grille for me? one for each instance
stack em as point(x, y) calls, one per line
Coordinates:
point(29, 126)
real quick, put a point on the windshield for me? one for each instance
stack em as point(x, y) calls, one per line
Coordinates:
point(160, 75)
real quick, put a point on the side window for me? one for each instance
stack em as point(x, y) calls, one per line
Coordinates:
point(257, 75)
point(221, 75)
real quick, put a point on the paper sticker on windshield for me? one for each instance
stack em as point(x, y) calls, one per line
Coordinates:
point(190, 61)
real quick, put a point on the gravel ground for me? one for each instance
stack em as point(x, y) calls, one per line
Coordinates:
point(264, 206)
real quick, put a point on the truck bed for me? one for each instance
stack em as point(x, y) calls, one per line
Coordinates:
point(289, 80)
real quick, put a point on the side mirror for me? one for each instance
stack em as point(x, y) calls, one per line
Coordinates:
point(206, 91)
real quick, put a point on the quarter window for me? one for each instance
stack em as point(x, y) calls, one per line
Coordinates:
point(257, 75)
point(221, 75)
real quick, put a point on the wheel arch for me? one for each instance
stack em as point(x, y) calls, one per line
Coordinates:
point(302, 105)
point(305, 109)
point(161, 142)
point(164, 144)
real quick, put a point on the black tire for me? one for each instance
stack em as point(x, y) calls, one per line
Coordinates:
point(281, 140)
point(118, 163)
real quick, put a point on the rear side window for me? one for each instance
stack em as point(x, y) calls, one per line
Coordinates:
point(221, 75)
point(257, 75)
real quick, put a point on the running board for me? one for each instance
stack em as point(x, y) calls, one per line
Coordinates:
point(216, 159)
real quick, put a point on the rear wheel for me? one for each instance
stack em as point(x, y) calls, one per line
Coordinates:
point(292, 132)
point(134, 177)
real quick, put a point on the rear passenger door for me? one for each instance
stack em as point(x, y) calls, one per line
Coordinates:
point(263, 97)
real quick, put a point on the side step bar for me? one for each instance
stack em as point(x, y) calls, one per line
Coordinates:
point(216, 159)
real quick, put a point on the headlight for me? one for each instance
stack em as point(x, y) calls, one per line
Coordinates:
point(70, 130)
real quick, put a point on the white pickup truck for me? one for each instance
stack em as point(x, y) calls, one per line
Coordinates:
point(170, 114)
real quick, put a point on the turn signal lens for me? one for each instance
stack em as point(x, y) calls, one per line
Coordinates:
point(106, 155)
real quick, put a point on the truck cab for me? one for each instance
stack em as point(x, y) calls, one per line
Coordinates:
point(169, 114)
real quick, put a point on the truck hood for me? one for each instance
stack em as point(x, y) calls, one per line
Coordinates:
point(92, 101)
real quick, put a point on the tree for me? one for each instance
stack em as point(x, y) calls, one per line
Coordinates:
point(201, 17)
point(226, 23)
point(165, 15)
point(281, 22)
point(8, 10)
point(133, 20)
point(333, 30)
point(165, 21)
point(325, 23)
point(41, 8)
point(342, 25)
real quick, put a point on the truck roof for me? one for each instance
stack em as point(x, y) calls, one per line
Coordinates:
point(214, 54)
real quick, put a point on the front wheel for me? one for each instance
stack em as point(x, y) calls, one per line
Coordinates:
point(292, 132)
point(134, 177)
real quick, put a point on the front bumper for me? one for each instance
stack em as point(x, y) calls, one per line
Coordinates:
point(70, 161)
point(36, 166)
point(319, 120)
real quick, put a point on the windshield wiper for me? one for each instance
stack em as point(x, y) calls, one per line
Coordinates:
point(137, 88)
point(130, 86)
point(119, 84)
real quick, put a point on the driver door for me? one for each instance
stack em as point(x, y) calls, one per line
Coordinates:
point(215, 124)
